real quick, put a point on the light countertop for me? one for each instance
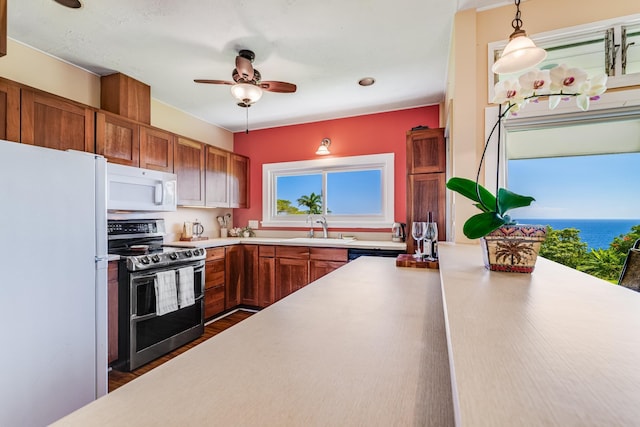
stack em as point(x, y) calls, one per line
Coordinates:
point(363, 345)
point(319, 242)
point(553, 348)
point(368, 344)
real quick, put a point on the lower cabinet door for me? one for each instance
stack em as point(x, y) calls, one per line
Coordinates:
point(320, 268)
point(266, 281)
point(291, 275)
point(213, 301)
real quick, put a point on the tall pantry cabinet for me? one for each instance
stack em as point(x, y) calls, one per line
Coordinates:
point(426, 175)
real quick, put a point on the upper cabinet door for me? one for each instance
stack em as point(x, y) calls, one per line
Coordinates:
point(54, 122)
point(426, 151)
point(156, 149)
point(239, 182)
point(9, 111)
point(216, 177)
point(118, 139)
point(188, 165)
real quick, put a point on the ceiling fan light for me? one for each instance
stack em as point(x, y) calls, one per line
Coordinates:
point(520, 54)
point(246, 93)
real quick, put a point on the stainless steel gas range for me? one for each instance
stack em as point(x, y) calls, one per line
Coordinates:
point(157, 311)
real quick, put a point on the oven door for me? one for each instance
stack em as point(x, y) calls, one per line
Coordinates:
point(152, 336)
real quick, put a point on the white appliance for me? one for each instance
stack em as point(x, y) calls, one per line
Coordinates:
point(53, 282)
point(134, 189)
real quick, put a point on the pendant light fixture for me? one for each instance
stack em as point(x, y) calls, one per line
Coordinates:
point(520, 53)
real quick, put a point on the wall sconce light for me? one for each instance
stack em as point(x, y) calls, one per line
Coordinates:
point(323, 149)
point(520, 53)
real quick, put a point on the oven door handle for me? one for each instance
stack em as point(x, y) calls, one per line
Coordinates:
point(137, 318)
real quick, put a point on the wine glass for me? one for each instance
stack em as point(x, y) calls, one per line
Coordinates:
point(430, 239)
point(418, 230)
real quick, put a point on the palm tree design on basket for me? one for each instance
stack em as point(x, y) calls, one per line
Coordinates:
point(514, 251)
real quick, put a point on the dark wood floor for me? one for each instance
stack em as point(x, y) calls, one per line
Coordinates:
point(118, 379)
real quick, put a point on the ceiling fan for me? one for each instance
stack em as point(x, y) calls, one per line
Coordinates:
point(247, 84)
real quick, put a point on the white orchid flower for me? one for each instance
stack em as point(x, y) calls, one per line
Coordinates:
point(591, 90)
point(509, 92)
point(567, 80)
point(534, 83)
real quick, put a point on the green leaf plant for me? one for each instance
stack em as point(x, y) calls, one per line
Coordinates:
point(557, 84)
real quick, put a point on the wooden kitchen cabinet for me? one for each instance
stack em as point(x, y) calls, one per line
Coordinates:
point(112, 311)
point(129, 143)
point(426, 151)
point(238, 181)
point(426, 180)
point(292, 269)
point(126, 97)
point(324, 260)
point(266, 275)
point(214, 282)
point(249, 291)
point(426, 194)
point(117, 139)
point(9, 111)
point(217, 177)
point(156, 149)
point(234, 275)
point(54, 122)
point(188, 165)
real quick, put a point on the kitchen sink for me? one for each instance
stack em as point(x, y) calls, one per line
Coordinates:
point(320, 240)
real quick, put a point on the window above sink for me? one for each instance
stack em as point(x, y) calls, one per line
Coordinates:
point(354, 192)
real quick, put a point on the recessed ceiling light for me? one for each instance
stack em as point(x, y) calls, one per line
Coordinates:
point(367, 81)
point(74, 4)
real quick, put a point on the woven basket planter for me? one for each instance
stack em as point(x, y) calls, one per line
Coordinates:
point(513, 248)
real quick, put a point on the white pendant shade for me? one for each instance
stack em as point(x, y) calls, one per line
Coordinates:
point(246, 93)
point(519, 54)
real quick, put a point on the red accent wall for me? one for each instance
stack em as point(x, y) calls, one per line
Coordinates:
point(352, 136)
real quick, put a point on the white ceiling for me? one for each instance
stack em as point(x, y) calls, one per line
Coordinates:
point(324, 47)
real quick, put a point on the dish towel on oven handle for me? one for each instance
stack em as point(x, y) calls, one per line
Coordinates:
point(166, 293)
point(186, 296)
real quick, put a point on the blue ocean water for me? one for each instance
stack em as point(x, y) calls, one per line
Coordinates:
point(596, 233)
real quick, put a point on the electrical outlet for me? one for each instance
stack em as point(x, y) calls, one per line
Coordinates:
point(253, 223)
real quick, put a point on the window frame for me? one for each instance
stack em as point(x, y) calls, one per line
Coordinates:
point(568, 36)
point(383, 162)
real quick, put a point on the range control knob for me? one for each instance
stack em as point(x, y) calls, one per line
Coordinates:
point(188, 254)
point(197, 251)
point(155, 258)
point(173, 256)
point(144, 260)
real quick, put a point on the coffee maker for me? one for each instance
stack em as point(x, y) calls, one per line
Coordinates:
point(397, 232)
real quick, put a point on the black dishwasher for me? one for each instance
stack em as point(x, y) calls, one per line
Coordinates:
point(354, 253)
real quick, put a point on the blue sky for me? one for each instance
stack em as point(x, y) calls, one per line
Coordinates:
point(353, 192)
point(603, 186)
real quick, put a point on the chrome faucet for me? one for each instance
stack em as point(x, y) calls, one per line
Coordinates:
point(310, 220)
point(323, 222)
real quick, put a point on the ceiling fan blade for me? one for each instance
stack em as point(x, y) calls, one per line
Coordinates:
point(244, 68)
point(214, 82)
point(281, 87)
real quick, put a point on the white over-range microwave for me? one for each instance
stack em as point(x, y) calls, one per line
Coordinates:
point(132, 189)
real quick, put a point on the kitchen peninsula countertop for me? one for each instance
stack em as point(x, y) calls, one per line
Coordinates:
point(319, 242)
point(363, 345)
point(553, 348)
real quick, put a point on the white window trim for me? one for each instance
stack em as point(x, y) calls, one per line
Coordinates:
point(568, 35)
point(384, 162)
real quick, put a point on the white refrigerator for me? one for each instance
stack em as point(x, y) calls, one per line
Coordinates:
point(53, 283)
